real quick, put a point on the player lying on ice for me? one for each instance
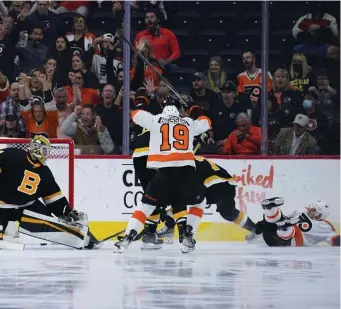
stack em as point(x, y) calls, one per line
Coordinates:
point(24, 178)
point(304, 227)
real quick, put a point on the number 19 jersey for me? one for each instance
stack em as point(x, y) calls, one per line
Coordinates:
point(171, 138)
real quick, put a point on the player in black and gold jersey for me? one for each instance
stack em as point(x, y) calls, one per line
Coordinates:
point(25, 178)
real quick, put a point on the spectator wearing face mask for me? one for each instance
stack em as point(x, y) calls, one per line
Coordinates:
point(318, 126)
point(329, 97)
point(87, 131)
point(100, 66)
point(245, 140)
point(296, 140)
point(41, 15)
point(164, 42)
point(34, 53)
point(301, 77)
point(203, 97)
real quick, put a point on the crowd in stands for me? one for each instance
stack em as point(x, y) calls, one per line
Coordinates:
point(61, 71)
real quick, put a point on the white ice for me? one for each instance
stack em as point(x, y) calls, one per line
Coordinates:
point(214, 276)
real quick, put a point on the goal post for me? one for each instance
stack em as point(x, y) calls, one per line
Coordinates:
point(61, 161)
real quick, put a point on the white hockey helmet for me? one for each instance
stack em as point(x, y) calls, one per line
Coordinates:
point(321, 210)
point(171, 107)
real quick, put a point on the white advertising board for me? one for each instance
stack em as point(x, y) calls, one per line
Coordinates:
point(108, 189)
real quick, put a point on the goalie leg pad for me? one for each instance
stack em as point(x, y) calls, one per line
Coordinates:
point(53, 229)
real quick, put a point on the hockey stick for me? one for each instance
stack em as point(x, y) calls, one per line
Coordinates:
point(98, 242)
point(145, 60)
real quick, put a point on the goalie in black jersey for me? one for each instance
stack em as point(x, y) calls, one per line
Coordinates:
point(25, 178)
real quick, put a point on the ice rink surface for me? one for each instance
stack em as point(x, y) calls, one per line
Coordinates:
point(214, 276)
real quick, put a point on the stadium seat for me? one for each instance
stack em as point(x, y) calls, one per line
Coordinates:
point(184, 38)
point(249, 39)
point(195, 58)
point(251, 20)
point(65, 23)
point(232, 58)
point(282, 40)
point(137, 21)
point(185, 20)
point(103, 23)
point(182, 76)
point(213, 40)
point(223, 21)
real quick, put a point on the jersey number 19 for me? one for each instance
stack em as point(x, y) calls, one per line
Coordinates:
point(180, 134)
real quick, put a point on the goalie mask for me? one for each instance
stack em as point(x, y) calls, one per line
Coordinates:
point(318, 210)
point(39, 148)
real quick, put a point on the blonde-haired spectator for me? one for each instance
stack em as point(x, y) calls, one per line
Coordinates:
point(300, 73)
point(216, 77)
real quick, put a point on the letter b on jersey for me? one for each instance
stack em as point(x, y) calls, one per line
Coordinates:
point(30, 182)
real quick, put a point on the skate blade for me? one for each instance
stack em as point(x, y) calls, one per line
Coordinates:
point(150, 247)
point(167, 241)
point(186, 249)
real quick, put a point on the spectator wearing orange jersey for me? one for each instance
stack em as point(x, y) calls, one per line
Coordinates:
point(143, 71)
point(246, 139)
point(40, 117)
point(163, 41)
point(77, 94)
point(249, 81)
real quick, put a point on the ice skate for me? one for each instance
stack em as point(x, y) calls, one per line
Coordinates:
point(181, 229)
point(166, 234)
point(188, 243)
point(272, 202)
point(123, 244)
point(150, 241)
point(252, 237)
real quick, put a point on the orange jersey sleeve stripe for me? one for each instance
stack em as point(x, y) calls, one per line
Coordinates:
point(208, 119)
point(172, 157)
point(140, 216)
point(298, 236)
point(195, 211)
point(133, 113)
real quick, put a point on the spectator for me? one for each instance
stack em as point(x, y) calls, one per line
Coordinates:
point(246, 139)
point(300, 73)
point(11, 106)
point(316, 32)
point(108, 42)
point(224, 112)
point(77, 93)
point(163, 41)
point(318, 126)
point(111, 114)
point(60, 96)
point(12, 127)
point(33, 87)
point(249, 81)
point(62, 53)
point(80, 39)
point(202, 96)
point(4, 87)
point(329, 98)
point(88, 132)
point(296, 141)
point(289, 101)
point(41, 15)
point(90, 78)
point(14, 10)
point(274, 125)
point(80, 7)
point(216, 77)
point(157, 95)
point(40, 117)
point(34, 53)
point(142, 71)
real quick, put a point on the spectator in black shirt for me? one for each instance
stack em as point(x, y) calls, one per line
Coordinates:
point(226, 109)
point(202, 96)
point(45, 17)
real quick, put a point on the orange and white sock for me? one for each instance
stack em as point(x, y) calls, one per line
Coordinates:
point(194, 215)
point(272, 215)
point(137, 220)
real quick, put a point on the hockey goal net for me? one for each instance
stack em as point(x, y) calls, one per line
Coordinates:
point(60, 161)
